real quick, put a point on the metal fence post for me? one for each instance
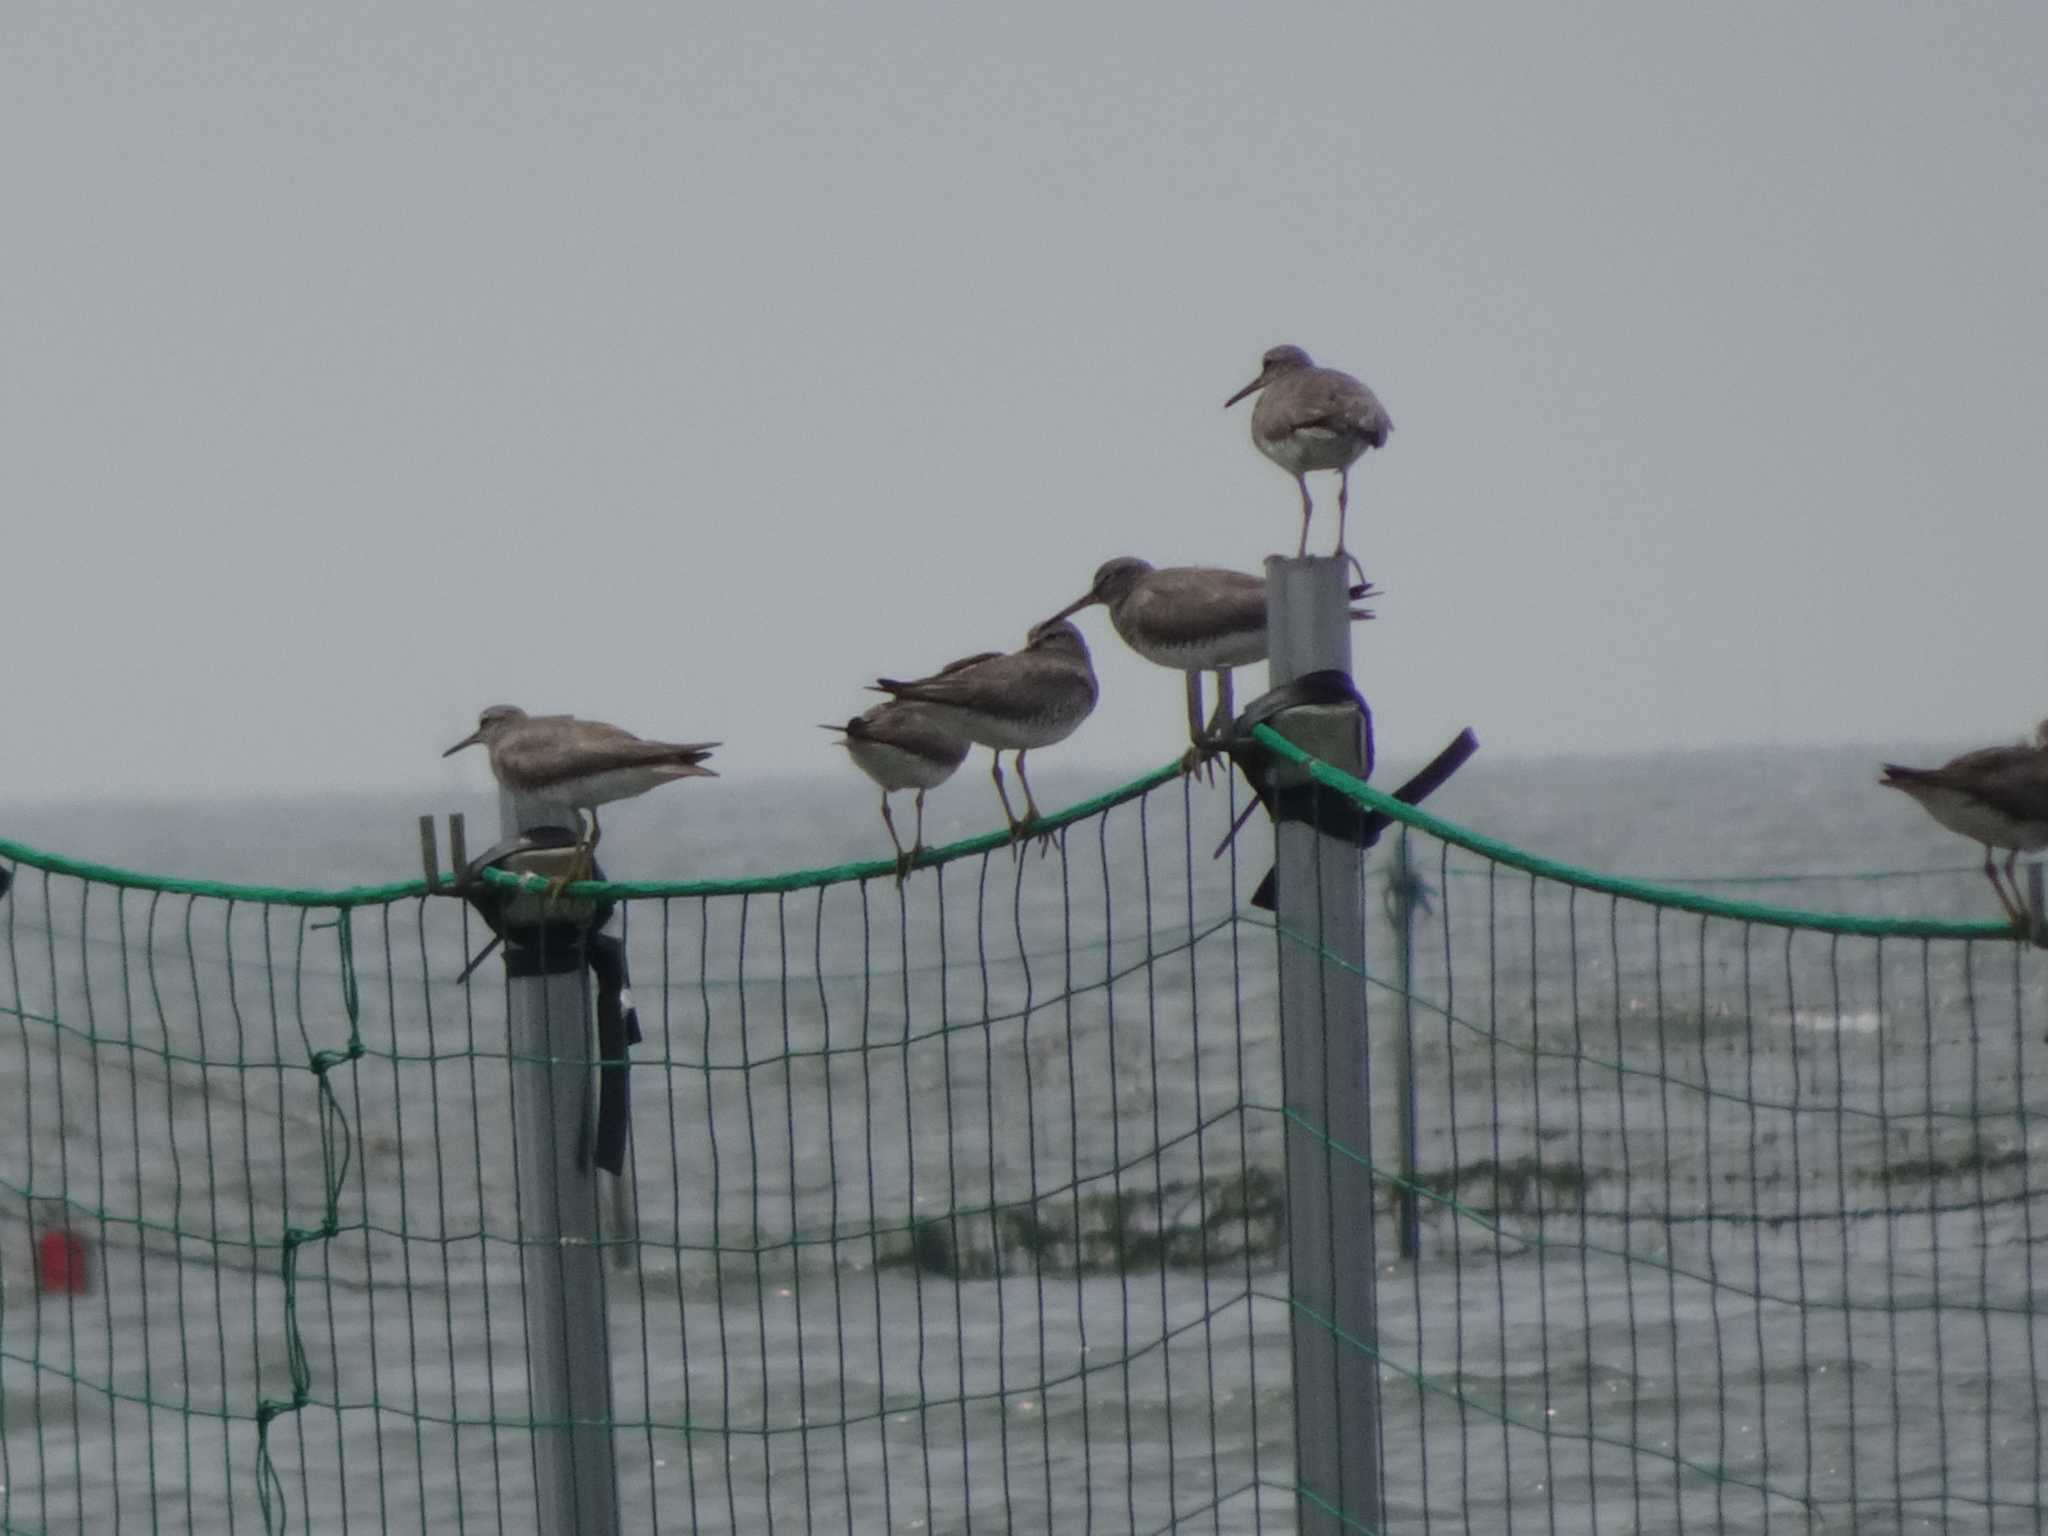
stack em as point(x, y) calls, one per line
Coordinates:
point(1406, 889)
point(1325, 1083)
point(568, 1347)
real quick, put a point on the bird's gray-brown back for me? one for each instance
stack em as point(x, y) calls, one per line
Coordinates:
point(1026, 698)
point(2012, 780)
point(1311, 399)
point(911, 727)
point(1054, 665)
point(1190, 605)
point(545, 750)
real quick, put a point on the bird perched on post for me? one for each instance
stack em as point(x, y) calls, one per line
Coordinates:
point(1011, 701)
point(577, 765)
point(903, 746)
point(1995, 796)
point(1312, 418)
point(1192, 618)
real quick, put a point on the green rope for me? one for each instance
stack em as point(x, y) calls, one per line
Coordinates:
point(754, 885)
point(1645, 891)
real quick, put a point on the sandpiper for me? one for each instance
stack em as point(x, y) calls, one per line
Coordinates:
point(1996, 796)
point(1011, 701)
point(1192, 618)
point(577, 765)
point(903, 746)
point(1313, 418)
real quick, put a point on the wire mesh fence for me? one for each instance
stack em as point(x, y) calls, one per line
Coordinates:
point(944, 1209)
point(959, 1206)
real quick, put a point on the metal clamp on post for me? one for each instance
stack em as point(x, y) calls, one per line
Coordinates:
point(545, 931)
point(553, 936)
point(1325, 715)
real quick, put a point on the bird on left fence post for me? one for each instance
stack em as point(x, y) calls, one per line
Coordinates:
point(577, 765)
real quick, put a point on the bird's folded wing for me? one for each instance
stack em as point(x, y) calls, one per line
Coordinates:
point(1180, 607)
point(998, 684)
point(977, 686)
point(2016, 787)
point(1338, 405)
point(595, 748)
point(910, 728)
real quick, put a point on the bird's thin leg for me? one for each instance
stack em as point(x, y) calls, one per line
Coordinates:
point(917, 842)
point(581, 863)
point(1030, 803)
point(1307, 508)
point(1343, 505)
point(1032, 815)
point(2026, 914)
point(2005, 901)
point(1221, 723)
point(996, 773)
point(1197, 750)
point(902, 858)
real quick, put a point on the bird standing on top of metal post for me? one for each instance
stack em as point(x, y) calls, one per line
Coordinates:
point(1995, 796)
point(577, 765)
point(1012, 701)
point(1311, 418)
point(1194, 619)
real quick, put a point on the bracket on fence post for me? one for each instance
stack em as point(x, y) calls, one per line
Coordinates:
point(554, 1110)
point(1326, 1084)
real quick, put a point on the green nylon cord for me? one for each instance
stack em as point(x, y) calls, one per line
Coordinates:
point(805, 879)
point(1511, 857)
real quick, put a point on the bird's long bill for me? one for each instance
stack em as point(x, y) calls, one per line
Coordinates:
point(1072, 608)
point(1255, 383)
point(470, 740)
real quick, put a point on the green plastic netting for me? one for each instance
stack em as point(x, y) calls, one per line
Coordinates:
point(958, 1207)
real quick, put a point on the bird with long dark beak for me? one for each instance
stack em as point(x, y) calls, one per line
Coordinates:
point(902, 745)
point(574, 766)
point(1192, 619)
point(1311, 418)
point(1011, 702)
point(1998, 798)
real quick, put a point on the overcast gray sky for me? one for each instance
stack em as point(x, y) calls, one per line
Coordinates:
point(362, 365)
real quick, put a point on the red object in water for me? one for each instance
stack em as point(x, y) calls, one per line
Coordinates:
point(62, 1263)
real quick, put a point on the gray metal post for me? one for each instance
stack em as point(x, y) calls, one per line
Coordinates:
point(568, 1347)
point(1404, 1045)
point(1324, 1064)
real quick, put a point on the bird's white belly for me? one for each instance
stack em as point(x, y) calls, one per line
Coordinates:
point(1311, 448)
point(597, 789)
point(1980, 822)
point(893, 768)
point(1210, 655)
